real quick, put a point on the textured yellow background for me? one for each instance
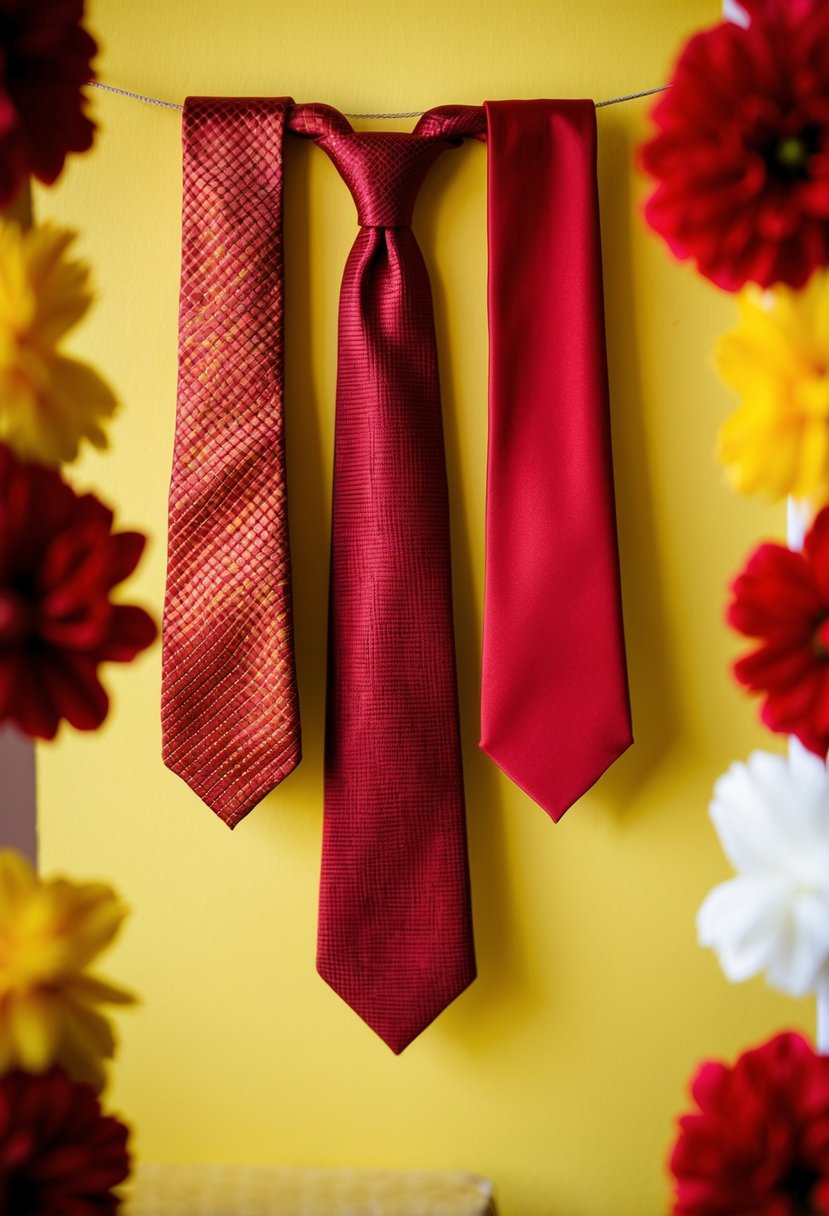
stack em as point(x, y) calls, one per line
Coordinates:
point(559, 1072)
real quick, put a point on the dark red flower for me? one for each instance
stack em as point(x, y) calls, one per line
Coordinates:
point(59, 560)
point(782, 599)
point(741, 150)
point(45, 59)
point(59, 1155)
point(759, 1143)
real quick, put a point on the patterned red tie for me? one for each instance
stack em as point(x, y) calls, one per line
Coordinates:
point(395, 935)
point(229, 709)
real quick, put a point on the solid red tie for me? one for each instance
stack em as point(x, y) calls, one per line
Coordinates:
point(555, 711)
point(395, 934)
point(229, 711)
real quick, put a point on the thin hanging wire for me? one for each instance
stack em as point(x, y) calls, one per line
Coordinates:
point(660, 88)
point(173, 105)
point(151, 101)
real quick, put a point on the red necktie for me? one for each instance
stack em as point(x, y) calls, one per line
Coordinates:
point(554, 699)
point(395, 934)
point(229, 708)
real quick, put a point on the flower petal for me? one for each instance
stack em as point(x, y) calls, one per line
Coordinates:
point(772, 816)
point(745, 921)
point(35, 1025)
point(131, 630)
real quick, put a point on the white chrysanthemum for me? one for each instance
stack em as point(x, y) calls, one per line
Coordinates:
point(772, 818)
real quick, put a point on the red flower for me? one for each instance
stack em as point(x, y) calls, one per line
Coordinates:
point(59, 1155)
point(759, 1144)
point(59, 560)
point(741, 152)
point(782, 598)
point(45, 59)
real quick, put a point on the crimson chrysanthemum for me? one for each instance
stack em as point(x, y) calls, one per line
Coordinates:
point(59, 561)
point(781, 598)
point(758, 1145)
point(45, 59)
point(741, 149)
point(59, 1155)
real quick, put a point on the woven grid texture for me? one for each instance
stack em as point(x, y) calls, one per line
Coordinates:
point(230, 715)
point(237, 1190)
point(395, 934)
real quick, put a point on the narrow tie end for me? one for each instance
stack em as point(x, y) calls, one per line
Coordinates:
point(396, 1025)
point(232, 800)
point(557, 806)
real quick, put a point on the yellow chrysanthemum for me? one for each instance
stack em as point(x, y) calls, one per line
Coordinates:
point(48, 402)
point(50, 931)
point(777, 359)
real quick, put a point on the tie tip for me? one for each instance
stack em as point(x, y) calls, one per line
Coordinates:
point(556, 797)
point(231, 800)
point(389, 1018)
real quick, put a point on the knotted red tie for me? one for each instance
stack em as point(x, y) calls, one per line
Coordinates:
point(395, 935)
point(229, 708)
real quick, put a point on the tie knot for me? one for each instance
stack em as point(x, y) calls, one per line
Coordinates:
point(384, 171)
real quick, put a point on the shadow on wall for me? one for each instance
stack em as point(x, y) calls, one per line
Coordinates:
point(653, 683)
point(309, 482)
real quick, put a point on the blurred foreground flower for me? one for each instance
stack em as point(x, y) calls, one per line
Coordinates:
point(48, 402)
point(59, 1155)
point(45, 60)
point(758, 1145)
point(741, 149)
point(50, 932)
point(59, 561)
point(781, 598)
point(772, 818)
point(778, 8)
point(777, 360)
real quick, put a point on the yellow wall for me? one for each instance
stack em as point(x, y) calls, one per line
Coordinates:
point(559, 1072)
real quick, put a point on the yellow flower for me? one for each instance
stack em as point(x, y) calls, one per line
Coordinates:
point(777, 359)
point(48, 402)
point(50, 931)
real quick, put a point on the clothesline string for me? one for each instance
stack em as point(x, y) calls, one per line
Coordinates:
point(174, 105)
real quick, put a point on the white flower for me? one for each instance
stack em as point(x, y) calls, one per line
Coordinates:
point(772, 818)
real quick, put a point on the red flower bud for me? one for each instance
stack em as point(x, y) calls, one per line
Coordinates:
point(59, 561)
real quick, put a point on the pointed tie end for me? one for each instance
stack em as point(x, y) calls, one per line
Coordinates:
point(394, 1020)
point(232, 798)
point(557, 796)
